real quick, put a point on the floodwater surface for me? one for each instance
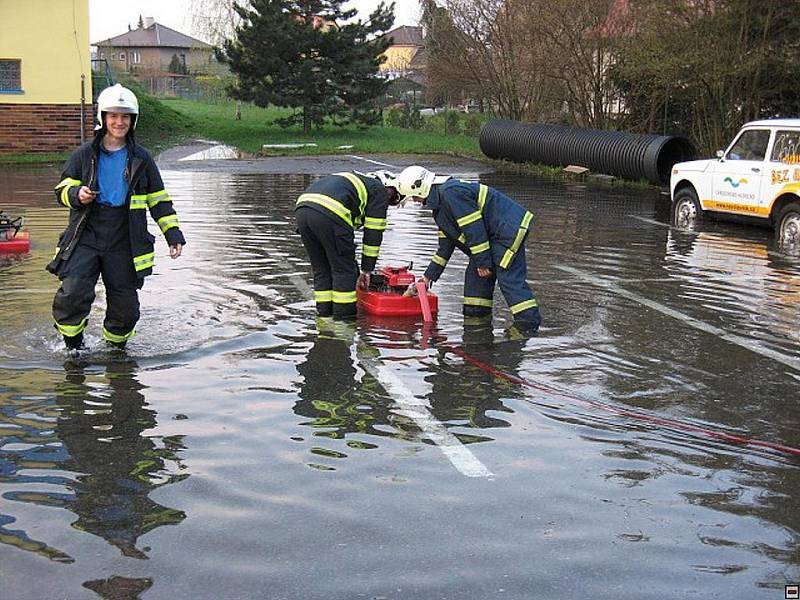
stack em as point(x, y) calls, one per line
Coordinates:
point(642, 446)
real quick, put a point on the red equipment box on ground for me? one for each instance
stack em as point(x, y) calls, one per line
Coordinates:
point(385, 295)
point(18, 244)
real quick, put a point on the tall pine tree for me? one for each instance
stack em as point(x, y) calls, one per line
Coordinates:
point(305, 55)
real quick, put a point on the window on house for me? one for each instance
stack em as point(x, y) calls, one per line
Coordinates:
point(10, 75)
point(136, 58)
point(122, 56)
point(103, 55)
point(113, 56)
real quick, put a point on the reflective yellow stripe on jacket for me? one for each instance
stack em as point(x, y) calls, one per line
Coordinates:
point(144, 261)
point(361, 190)
point(168, 222)
point(483, 191)
point(439, 260)
point(156, 197)
point(333, 205)
point(65, 184)
point(374, 223)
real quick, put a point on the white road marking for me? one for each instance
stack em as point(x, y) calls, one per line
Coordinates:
point(459, 455)
point(374, 162)
point(651, 221)
point(676, 278)
point(301, 285)
point(412, 407)
point(753, 346)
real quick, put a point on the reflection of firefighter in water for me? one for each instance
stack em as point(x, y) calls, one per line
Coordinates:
point(332, 395)
point(461, 396)
point(118, 467)
point(464, 395)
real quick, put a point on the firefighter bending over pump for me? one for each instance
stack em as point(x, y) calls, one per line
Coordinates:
point(327, 215)
point(487, 226)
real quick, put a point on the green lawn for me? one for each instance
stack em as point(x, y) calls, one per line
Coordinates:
point(217, 122)
point(168, 122)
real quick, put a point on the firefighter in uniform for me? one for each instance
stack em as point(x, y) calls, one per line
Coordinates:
point(487, 226)
point(107, 184)
point(327, 215)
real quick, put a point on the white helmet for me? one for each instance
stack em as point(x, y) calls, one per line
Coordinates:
point(415, 181)
point(387, 178)
point(389, 181)
point(117, 98)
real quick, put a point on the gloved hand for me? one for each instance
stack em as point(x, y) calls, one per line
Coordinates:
point(362, 283)
point(412, 288)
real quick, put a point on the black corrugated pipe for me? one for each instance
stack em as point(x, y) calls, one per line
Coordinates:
point(627, 155)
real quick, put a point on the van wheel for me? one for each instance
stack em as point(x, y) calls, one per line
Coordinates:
point(787, 227)
point(686, 209)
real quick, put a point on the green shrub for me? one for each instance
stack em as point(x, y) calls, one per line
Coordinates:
point(405, 116)
point(472, 123)
point(393, 117)
point(454, 122)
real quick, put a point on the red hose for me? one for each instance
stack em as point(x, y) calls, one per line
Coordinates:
point(422, 292)
point(728, 437)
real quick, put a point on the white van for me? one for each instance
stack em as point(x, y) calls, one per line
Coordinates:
point(758, 176)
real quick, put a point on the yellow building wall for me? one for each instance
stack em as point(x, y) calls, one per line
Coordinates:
point(51, 38)
point(398, 57)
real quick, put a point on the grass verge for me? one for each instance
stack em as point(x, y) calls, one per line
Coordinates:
point(256, 128)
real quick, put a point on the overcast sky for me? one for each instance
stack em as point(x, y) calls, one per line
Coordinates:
point(108, 18)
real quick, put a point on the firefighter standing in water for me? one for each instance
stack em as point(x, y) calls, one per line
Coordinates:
point(107, 184)
point(327, 215)
point(487, 226)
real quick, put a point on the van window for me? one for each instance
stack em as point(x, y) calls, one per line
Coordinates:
point(751, 145)
point(787, 147)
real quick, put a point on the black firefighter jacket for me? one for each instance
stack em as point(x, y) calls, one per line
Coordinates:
point(145, 191)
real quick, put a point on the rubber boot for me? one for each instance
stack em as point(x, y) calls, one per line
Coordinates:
point(74, 342)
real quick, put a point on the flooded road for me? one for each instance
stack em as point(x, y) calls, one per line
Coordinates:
point(641, 446)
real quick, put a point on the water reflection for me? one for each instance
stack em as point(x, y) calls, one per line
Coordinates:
point(119, 588)
point(340, 404)
point(588, 482)
point(108, 465)
point(470, 397)
point(218, 152)
point(341, 395)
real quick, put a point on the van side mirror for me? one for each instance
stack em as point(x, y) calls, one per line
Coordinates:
point(720, 153)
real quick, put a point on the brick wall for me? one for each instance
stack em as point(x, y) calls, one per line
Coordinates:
point(42, 127)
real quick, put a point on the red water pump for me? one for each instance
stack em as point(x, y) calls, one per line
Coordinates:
point(12, 240)
point(385, 296)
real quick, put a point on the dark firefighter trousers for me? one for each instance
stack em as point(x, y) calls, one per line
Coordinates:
point(479, 291)
point(330, 244)
point(104, 250)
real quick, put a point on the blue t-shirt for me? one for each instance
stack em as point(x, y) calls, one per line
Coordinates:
point(111, 177)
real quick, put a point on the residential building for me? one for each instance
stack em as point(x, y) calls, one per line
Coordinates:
point(45, 75)
point(407, 42)
point(155, 49)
